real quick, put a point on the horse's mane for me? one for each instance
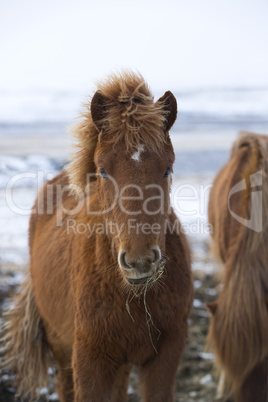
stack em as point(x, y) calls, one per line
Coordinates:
point(131, 115)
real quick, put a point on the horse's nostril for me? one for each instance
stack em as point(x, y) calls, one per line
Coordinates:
point(157, 254)
point(122, 259)
point(142, 263)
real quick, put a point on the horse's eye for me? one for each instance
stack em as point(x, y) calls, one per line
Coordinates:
point(167, 172)
point(103, 173)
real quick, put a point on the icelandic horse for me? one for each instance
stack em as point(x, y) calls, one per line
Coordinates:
point(238, 213)
point(110, 283)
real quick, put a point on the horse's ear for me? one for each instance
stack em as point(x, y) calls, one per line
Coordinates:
point(169, 102)
point(212, 307)
point(99, 106)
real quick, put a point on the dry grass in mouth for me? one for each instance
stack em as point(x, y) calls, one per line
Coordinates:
point(141, 290)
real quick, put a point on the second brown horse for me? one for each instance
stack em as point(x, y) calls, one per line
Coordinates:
point(238, 212)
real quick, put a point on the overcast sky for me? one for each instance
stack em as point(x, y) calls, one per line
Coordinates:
point(174, 44)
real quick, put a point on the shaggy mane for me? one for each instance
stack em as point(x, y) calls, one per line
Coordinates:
point(131, 115)
point(239, 328)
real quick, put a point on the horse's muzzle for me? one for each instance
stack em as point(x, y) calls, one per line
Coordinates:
point(139, 270)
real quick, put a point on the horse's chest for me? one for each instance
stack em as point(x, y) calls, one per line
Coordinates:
point(135, 326)
point(118, 312)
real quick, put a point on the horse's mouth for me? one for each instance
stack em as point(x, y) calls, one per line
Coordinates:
point(146, 280)
point(139, 281)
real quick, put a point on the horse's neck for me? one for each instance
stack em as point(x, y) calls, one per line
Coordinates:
point(105, 252)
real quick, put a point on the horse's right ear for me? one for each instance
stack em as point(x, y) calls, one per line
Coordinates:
point(99, 106)
point(212, 307)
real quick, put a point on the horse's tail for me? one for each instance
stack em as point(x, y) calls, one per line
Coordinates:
point(239, 326)
point(26, 352)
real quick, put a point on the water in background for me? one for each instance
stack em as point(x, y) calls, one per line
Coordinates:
point(207, 124)
point(49, 112)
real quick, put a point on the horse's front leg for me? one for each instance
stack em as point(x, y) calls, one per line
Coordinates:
point(158, 375)
point(121, 384)
point(98, 377)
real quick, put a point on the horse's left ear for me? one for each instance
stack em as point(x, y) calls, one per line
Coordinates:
point(99, 107)
point(169, 102)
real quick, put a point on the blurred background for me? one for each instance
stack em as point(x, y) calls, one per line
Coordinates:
point(212, 54)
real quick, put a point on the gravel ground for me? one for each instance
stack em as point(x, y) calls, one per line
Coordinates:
point(196, 379)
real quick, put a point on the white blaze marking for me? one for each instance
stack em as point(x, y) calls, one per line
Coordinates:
point(137, 155)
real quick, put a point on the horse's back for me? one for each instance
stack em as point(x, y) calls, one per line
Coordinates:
point(50, 255)
point(46, 201)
